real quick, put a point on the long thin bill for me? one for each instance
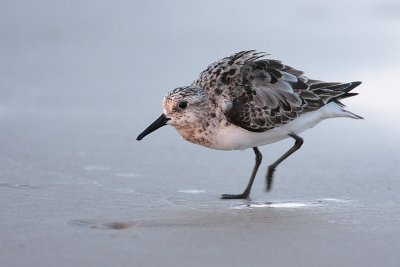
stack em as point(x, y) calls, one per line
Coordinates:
point(158, 123)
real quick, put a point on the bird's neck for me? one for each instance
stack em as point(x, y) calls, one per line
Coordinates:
point(202, 127)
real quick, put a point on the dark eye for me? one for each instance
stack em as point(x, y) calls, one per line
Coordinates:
point(182, 105)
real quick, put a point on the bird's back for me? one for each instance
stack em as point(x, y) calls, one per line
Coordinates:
point(259, 94)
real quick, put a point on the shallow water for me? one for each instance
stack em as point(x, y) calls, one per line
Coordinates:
point(79, 83)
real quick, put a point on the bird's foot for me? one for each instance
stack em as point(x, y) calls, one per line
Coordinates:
point(238, 196)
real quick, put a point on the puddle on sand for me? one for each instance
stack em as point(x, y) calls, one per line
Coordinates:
point(192, 191)
point(288, 205)
point(284, 205)
point(117, 225)
point(291, 205)
point(337, 200)
point(128, 174)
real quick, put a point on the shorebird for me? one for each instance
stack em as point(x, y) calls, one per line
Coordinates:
point(246, 101)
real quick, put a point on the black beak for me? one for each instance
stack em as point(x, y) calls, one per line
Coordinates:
point(158, 123)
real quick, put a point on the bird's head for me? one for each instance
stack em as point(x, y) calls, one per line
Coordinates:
point(181, 107)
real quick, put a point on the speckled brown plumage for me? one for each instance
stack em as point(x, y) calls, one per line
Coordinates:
point(259, 94)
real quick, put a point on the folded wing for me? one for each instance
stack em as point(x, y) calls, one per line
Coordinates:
point(259, 94)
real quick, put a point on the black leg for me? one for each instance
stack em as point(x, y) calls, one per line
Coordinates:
point(271, 168)
point(246, 192)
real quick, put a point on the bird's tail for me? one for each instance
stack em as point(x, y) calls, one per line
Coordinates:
point(334, 92)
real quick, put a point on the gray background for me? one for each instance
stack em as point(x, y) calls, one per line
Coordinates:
point(80, 79)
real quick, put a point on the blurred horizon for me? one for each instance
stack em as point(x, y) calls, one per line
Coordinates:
point(130, 46)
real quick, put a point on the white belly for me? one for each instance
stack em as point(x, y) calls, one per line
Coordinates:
point(236, 138)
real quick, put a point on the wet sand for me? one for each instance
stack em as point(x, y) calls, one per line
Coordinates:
point(77, 189)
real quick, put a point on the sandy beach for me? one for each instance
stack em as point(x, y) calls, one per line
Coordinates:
point(79, 83)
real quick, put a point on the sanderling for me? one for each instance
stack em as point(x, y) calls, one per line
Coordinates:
point(245, 101)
